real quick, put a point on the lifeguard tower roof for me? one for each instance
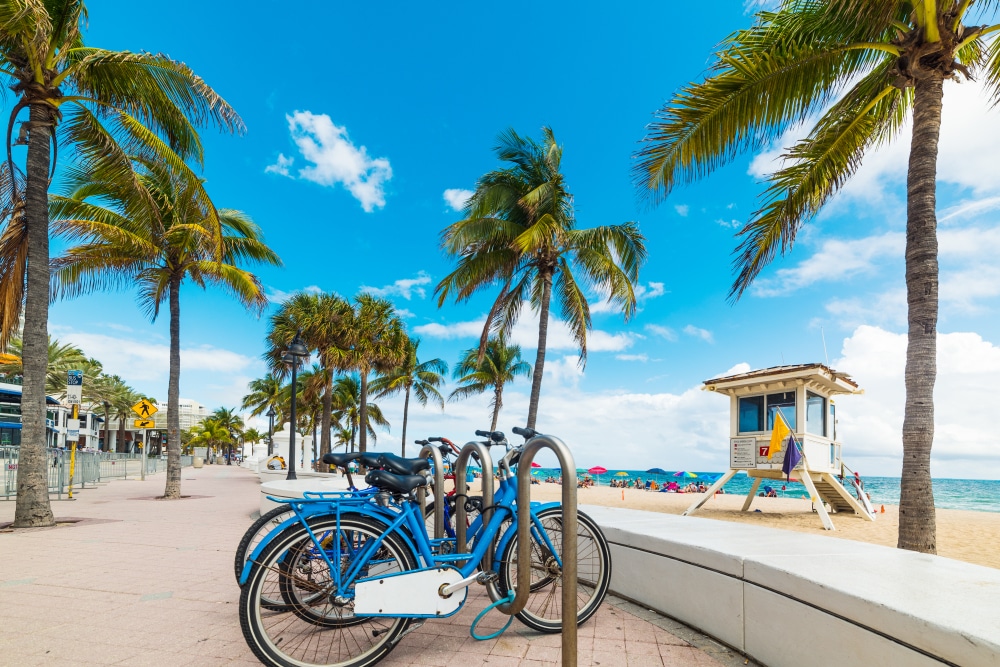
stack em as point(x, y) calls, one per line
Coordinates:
point(817, 376)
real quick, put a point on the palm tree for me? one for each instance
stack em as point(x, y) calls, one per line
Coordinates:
point(154, 234)
point(519, 235)
point(422, 379)
point(210, 434)
point(500, 365)
point(884, 59)
point(266, 392)
point(233, 424)
point(321, 320)
point(347, 408)
point(376, 342)
point(103, 104)
point(62, 357)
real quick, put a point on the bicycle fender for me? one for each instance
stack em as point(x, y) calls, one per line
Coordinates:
point(509, 534)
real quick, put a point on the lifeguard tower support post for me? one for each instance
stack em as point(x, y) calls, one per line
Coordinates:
point(804, 395)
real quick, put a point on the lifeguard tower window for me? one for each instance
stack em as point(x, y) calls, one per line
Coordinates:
point(784, 402)
point(815, 414)
point(751, 414)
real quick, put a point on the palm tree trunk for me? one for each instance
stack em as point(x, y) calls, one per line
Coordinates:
point(543, 333)
point(406, 411)
point(363, 416)
point(33, 507)
point(120, 442)
point(497, 404)
point(324, 446)
point(917, 526)
point(173, 487)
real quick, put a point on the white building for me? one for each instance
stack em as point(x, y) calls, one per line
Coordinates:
point(189, 413)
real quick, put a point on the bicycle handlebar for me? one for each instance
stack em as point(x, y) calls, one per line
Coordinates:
point(422, 442)
point(526, 433)
point(484, 434)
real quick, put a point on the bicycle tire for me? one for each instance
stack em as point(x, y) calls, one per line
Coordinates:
point(264, 524)
point(543, 612)
point(284, 639)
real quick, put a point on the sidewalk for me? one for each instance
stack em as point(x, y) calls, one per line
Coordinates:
point(139, 581)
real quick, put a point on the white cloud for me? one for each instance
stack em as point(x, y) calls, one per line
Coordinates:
point(835, 260)
point(456, 198)
point(888, 308)
point(565, 372)
point(662, 332)
point(281, 166)
point(682, 210)
point(870, 425)
point(525, 334)
point(406, 288)
point(313, 289)
point(968, 209)
point(729, 224)
point(703, 334)
point(405, 313)
point(642, 293)
point(632, 357)
point(332, 159)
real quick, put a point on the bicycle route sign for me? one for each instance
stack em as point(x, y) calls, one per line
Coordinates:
point(74, 387)
point(145, 409)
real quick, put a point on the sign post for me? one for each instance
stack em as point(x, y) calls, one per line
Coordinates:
point(145, 410)
point(74, 394)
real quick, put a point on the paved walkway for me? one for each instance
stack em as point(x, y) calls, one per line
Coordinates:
point(139, 581)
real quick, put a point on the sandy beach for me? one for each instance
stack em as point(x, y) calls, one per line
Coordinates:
point(973, 537)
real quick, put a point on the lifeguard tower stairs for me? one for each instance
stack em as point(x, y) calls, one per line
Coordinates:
point(803, 394)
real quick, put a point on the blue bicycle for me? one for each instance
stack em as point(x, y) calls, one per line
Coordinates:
point(354, 574)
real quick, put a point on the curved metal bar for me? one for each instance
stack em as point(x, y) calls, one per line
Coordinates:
point(435, 454)
point(461, 495)
point(569, 538)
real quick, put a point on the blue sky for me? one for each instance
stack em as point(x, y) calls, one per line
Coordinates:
point(365, 120)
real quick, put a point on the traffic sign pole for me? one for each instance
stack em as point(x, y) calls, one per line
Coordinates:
point(72, 449)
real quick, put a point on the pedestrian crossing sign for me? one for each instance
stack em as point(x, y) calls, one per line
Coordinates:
point(144, 409)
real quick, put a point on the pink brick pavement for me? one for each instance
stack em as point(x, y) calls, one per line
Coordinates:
point(148, 582)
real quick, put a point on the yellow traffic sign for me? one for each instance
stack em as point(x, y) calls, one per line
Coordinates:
point(144, 423)
point(144, 408)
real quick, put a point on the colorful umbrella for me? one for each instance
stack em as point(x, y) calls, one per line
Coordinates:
point(536, 465)
point(597, 470)
point(621, 474)
point(685, 473)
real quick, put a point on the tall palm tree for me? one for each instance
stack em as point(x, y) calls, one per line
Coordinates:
point(347, 409)
point(210, 434)
point(884, 59)
point(228, 419)
point(422, 379)
point(266, 392)
point(154, 235)
point(500, 365)
point(519, 235)
point(376, 342)
point(102, 104)
point(321, 320)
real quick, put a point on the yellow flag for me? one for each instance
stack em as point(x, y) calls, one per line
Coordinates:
point(779, 434)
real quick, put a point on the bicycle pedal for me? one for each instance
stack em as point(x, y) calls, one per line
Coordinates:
point(487, 578)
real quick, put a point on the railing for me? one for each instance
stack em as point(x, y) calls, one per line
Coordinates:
point(90, 468)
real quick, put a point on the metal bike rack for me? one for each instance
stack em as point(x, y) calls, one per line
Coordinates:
point(461, 495)
point(435, 454)
point(569, 538)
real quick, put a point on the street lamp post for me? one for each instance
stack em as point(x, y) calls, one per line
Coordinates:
point(229, 459)
point(296, 351)
point(270, 431)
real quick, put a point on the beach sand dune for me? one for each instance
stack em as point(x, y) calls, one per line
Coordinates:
point(973, 537)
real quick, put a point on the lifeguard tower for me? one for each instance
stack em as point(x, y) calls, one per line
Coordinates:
point(804, 396)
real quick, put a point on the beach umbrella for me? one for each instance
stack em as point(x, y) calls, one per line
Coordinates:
point(536, 465)
point(597, 470)
point(685, 474)
point(621, 474)
point(658, 471)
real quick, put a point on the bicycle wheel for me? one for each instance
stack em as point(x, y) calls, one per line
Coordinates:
point(264, 524)
point(543, 612)
point(319, 628)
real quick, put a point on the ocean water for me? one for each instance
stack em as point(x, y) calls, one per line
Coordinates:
point(958, 494)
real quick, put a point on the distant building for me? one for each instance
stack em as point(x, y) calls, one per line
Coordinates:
point(56, 419)
point(189, 414)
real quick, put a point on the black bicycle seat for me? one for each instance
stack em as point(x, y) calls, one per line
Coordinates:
point(370, 460)
point(395, 483)
point(401, 466)
point(340, 460)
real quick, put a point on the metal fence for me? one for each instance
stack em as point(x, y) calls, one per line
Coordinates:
point(90, 469)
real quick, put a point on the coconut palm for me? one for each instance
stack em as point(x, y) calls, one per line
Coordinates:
point(62, 357)
point(877, 62)
point(519, 235)
point(265, 393)
point(211, 434)
point(320, 320)
point(347, 409)
point(154, 235)
point(499, 366)
point(422, 379)
point(102, 104)
point(233, 424)
point(376, 342)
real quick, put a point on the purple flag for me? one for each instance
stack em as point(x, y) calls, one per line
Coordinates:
point(792, 458)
